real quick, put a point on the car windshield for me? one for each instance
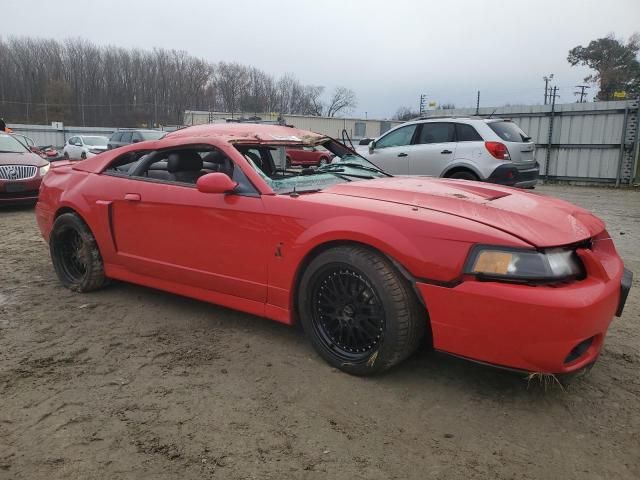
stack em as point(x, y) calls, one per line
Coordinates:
point(345, 166)
point(151, 135)
point(96, 141)
point(8, 144)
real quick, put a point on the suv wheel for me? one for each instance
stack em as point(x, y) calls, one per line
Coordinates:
point(464, 175)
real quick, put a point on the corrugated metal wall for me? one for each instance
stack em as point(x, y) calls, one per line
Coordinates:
point(590, 142)
point(47, 135)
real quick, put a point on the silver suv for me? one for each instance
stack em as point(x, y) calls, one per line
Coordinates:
point(492, 150)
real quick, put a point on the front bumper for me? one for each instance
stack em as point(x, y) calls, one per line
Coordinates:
point(548, 329)
point(18, 192)
point(512, 176)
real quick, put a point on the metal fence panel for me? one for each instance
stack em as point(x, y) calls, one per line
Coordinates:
point(592, 142)
point(47, 135)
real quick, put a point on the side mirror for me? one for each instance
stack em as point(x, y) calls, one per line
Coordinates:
point(34, 149)
point(215, 183)
point(135, 140)
point(372, 146)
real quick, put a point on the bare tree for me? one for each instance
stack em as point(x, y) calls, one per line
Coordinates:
point(78, 82)
point(405, 113)
point(315, 104)
point(342, 100)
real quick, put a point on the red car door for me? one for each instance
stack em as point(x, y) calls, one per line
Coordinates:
point(176, 233)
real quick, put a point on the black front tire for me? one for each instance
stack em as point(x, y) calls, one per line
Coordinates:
point(75, 254)
point(359, 312)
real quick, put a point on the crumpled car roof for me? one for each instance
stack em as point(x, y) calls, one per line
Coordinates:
point(251, 133)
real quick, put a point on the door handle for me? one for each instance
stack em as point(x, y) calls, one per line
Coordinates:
point(132, 197)
point(402, 155)
point(446, 152)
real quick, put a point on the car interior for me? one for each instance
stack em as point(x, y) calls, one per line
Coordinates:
point(182, 166)
point(185, 165)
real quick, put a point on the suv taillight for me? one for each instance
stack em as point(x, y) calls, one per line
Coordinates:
point(497, 150)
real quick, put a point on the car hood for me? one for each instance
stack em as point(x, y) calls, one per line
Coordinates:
point(26, 158)
point(97, 147)
point(539, 220)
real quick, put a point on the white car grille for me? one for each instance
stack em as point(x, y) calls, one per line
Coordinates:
point(17, 172)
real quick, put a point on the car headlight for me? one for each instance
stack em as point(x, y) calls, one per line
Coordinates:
point(44, 170)
point(510, 264)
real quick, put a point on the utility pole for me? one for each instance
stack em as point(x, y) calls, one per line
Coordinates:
point(582, 92)
point(546, 79)
point(423, 103)
point(478, 104)
point(550, 135)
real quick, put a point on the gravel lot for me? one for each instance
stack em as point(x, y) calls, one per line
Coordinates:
point(130, 382)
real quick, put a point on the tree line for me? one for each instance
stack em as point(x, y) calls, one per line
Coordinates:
point(80, 83)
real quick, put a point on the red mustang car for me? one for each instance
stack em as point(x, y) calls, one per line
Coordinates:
point(370, 264)
point(308, 156)
point(21, 172)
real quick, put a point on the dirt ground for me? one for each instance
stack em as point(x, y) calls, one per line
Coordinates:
point(129, 382)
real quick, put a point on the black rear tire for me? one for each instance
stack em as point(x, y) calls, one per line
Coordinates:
point(359, 312)
point(75, 254)
point(464, 175)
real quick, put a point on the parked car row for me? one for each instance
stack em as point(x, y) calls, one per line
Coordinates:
point(490, 150)
point(81, 147)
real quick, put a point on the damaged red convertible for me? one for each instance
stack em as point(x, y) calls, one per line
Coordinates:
point(371, 265)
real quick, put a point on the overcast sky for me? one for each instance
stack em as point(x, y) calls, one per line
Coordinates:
point(388, 52)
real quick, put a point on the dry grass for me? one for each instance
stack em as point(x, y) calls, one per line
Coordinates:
point(545, 380)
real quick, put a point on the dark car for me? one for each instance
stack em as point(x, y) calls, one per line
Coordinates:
point(127, 137)
point(21, 171)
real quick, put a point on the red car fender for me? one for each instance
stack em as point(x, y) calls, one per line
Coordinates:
point(439, 261)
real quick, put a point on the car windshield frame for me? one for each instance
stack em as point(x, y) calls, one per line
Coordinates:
point(347, 166)
point(5, 147)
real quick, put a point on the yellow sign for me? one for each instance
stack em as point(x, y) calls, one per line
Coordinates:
point(619, 94)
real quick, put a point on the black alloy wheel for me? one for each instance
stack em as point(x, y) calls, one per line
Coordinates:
point(360, 314)
point(348, 315)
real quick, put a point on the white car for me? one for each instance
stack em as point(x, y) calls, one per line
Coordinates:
point(491, 150)
point(82, 147)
